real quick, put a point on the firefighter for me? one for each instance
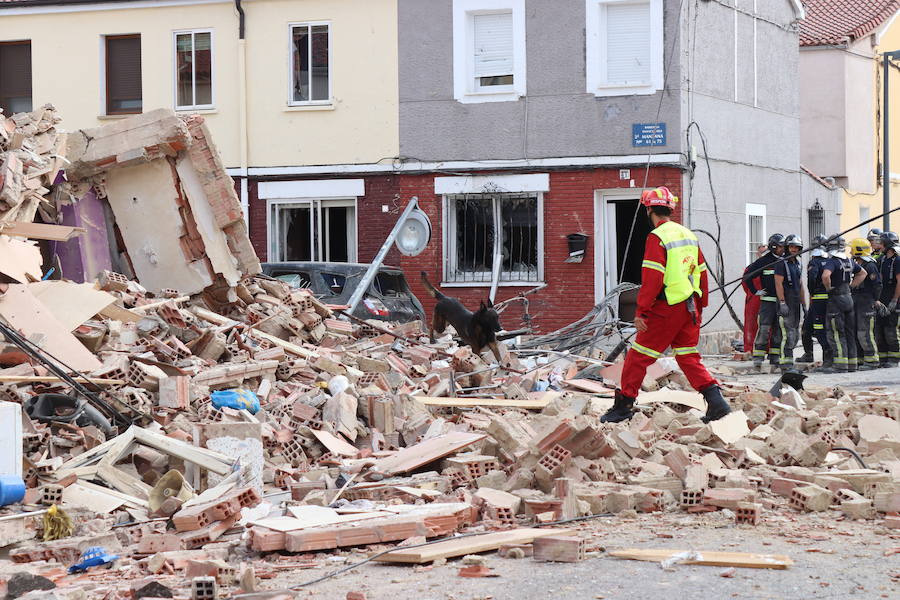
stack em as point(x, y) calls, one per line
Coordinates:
point(814, 323)
point(886, 328)
point(874, 237)
point(789, 291)
point(864, 298)
point(674, 287)
point(768, 310)
point(751, 304)
point(838, 274)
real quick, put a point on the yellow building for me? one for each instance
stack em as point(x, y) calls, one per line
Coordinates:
point(841, 98)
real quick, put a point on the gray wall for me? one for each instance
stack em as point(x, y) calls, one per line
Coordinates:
point(562, 119)
point(745, 100)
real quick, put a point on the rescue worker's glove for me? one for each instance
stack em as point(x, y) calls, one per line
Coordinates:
point(892, 306)
point(783, 309)
point(760, 293)
point(881, 309)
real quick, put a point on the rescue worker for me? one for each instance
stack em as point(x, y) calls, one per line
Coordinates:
point(864, 298)
point(674, 290)
point(838, 274)
point(886, 327)
point(789, 291)
point(874, 237)
point(751, 304)
point(768, 310)
point(814, 323)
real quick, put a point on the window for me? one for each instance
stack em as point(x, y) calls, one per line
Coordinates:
point(482, 227)
point(193, 70)
point(15, 77)
point(816, 221)
point(756, 230)
point(310, 59)
point(312, 230)
point(624, 49)
point(864, 216)
point(488, 50)
point(123, 75)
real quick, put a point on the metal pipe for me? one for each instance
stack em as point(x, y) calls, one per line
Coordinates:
point(363, 286)
point(242, 110)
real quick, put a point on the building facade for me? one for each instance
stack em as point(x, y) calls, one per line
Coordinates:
point(520, 126)
point(842, 86)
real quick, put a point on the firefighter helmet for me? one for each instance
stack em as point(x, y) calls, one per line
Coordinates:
point(776, 239)
point(818, 245)
point(889, 239)
point(660, 196)
point(860, 247)
point(874, 235)
point(835, 243)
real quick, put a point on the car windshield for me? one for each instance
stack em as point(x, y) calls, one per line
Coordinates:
point(390, 284)
point(295, 280)
point(334, 282)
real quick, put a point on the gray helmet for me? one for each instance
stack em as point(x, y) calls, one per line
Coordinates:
point(836, 243)
point(818, 245)
point(776, 239)
point(889, 239)
point(874, 234)
point(793, 240)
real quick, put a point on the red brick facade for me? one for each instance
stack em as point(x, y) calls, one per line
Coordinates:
point(568, 208)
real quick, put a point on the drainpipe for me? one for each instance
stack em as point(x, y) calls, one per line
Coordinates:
point(242, 109)
point(799, 11)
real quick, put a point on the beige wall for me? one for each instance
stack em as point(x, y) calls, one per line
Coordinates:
point(822, 110)
point(360, 126)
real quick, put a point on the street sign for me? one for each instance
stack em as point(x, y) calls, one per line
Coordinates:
point(648, 134)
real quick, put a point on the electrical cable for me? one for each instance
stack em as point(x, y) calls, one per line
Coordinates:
point(431, 543)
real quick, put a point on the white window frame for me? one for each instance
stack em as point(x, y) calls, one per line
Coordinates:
point(753, 210)
point(290, 42)
point(316, 205)
point(595, 49)
point(212, 67)
point(450, 256)
point(465, 89)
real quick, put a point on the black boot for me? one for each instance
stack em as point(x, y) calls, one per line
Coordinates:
point(806, 358)
point(622, 409)
point(716, 406)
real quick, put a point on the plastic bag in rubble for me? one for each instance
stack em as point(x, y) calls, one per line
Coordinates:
point(237, 399)
point(338, 384)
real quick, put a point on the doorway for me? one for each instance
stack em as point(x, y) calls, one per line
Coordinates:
point(614, 212)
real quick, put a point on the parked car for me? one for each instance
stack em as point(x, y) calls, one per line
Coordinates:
point(387, 299)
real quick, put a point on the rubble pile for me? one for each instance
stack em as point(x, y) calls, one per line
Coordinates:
point(208, 434)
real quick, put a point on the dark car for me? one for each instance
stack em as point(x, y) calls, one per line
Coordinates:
point(388, 297)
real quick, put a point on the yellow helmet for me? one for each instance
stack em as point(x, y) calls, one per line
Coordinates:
point(860, 247)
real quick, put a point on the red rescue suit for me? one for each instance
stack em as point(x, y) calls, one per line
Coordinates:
point(667, 326)
point(751, 312)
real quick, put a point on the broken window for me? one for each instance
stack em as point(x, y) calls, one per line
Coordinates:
point(310, 77)
point(485, 226)
point(124, 93)
point(312, 230)
point(193, 69)
point(756, 229)
point(15, 77)
point(817, 221)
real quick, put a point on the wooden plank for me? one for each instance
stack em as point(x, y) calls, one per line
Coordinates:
point(93, 499)
point(115, 312)
point(487, 402)
point(24, 312)
point(129, 501)
point(218, 319)
point(123, 482)
point(41, 231)
point(20, 260)
point(97, 452)
point(71, 303)
point(146, 307)
point(712, 559)
point(412, 457)
point(692, 399)
point(207, 459)
point(51, 379)
point(589, 385)
point(469, 545)
point(335, 444)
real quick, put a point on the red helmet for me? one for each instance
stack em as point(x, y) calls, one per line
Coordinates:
point(661, 196)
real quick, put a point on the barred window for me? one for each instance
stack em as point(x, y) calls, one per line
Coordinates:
point(484, 226)
point(816, 220)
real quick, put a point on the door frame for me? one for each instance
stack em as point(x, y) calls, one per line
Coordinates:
point(605, 239)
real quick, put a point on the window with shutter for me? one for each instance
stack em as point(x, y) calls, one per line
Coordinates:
point(15, 77)
point(493, 51)
point(488, 50)
point(624, 49)
point(123, 75)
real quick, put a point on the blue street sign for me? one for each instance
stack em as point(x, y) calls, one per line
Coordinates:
point(648, 134)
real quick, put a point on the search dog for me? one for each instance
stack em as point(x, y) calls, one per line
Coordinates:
point(477, 329)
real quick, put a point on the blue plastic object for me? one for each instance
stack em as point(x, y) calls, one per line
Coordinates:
point(12, 489)
point(94, 556)
point(237, 399)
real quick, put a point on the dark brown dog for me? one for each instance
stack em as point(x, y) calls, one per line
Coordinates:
point(478, 329)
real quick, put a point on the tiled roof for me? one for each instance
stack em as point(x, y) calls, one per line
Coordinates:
point(835, 22)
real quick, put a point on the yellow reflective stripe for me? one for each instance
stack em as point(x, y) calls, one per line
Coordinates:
point(702, 267)
point(685, 350)
point(759, 352)
point(820, 297)
point(680, 243)
point(768, 271)
point(783, 345)
point(644, 350)
point(839, 358)
point(770, 299)
point(649, 264)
